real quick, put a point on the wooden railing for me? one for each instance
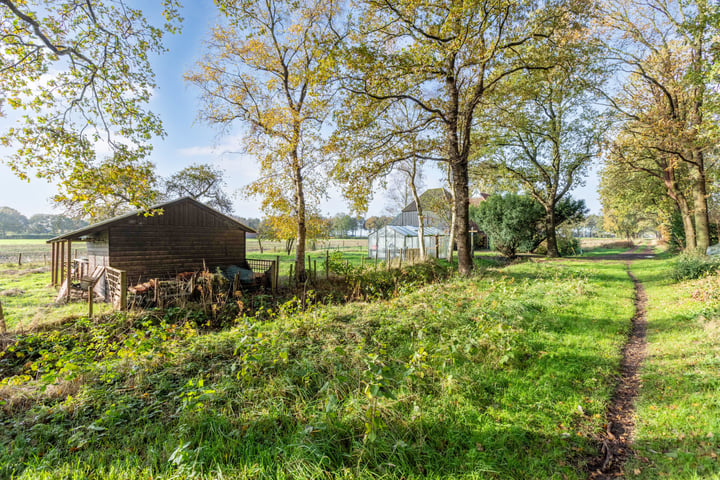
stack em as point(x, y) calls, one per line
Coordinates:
point(117, 287)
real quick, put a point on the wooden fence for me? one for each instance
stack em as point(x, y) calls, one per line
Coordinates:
point(117, 287)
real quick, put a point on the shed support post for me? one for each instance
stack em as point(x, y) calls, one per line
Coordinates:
point(61, 263)
point(69, 270)
point(52, 264)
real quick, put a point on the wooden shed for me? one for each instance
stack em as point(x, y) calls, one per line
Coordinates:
point(170, 238)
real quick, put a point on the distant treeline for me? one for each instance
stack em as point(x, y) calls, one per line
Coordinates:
point(14, 224)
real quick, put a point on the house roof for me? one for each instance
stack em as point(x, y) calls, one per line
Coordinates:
point(100, 226)
point(435, 194)
point(428, 196)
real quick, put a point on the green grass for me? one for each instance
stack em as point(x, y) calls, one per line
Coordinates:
point(28, 299)
point(503, 375)
point(678, 428)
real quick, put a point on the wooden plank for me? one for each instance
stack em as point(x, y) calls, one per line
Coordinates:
point(61, 263)
point(69, 270)
point(52, 264)
point(123, 290)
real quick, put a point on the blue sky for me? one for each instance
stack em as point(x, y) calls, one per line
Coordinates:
point(189, 141)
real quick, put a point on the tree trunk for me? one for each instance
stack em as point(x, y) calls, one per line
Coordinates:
point(260, 244)
point(300, 275)
point(674, 192)
point(461, 195)
point(550, 235)
point(421, 217)
point(700, 208)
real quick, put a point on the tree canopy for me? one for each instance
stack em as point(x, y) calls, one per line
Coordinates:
point(77, 79)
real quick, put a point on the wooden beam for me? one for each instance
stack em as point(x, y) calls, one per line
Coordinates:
point(52, 264)
point(123, 290)
point(69, 270)
point(61, 263)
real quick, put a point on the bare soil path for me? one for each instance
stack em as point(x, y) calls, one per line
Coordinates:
point(615, 442)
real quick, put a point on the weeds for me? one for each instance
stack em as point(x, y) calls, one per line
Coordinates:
point(693, 265)
point(490, 377)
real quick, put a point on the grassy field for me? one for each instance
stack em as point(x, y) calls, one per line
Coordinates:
point(38, 251)
point(678, 433)
point(503, 375)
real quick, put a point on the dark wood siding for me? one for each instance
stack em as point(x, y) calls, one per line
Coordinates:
point(155, 249)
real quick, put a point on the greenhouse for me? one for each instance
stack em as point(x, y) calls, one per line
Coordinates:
point(401, 241)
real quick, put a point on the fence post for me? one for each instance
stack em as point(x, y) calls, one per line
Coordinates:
point(123, 290)
point(277, 272)
point(3, 327)
point(315, 270)
point(327, 264)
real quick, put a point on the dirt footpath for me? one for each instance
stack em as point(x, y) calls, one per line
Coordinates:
point(615, 442)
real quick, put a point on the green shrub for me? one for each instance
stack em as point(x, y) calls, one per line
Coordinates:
point(693, 265)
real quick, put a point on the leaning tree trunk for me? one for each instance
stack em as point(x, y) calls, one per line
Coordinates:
point(700, 208)
point(674, 192)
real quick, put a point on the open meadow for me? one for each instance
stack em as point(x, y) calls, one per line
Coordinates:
point(506, 374)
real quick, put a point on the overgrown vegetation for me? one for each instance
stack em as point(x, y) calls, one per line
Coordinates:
point(367, 282)
point(503, 375)
point(691, 265)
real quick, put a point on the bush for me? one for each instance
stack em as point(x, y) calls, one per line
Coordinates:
point(694, 265)
point(510, 221)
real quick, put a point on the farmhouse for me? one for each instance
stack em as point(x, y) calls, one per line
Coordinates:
point(183, 235)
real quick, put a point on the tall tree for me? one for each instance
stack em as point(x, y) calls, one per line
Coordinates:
point(264, 69)
point(636, 172)
point(443, 59)
point(201, 182)
point(76, 74)
point(12, 221)
point(668, 48)
point(94, 197)
point(545, 129)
